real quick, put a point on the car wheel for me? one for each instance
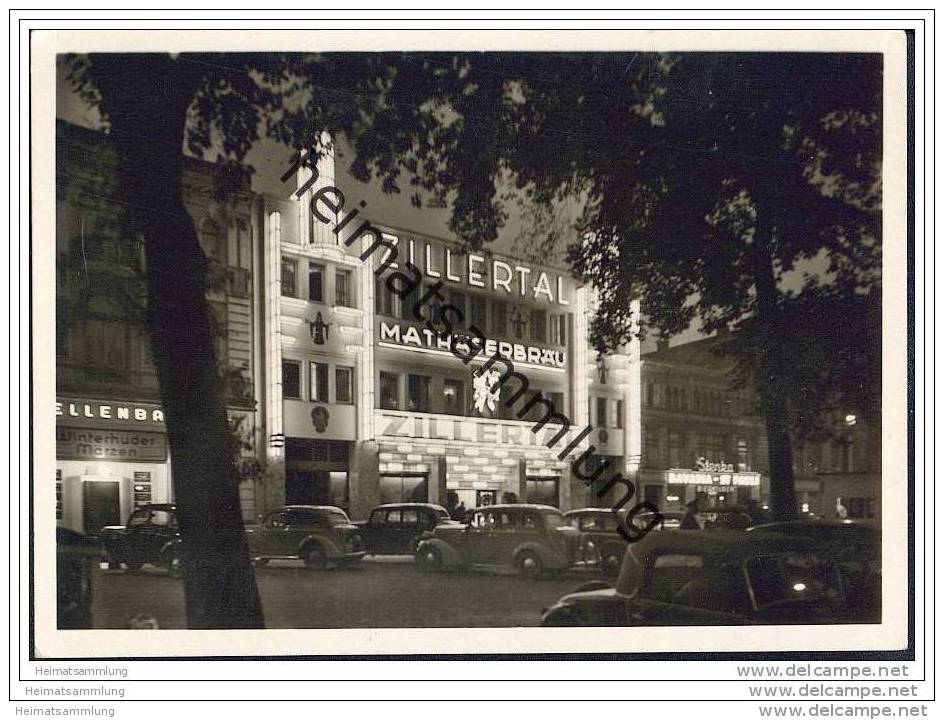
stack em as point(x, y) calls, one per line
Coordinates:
point(429, 559)
point(315, 558)
point(610, 563)
point(529, 564)
point(134, 565)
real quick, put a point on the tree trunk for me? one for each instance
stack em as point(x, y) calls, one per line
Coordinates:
point(147, 125)
point(770, 382)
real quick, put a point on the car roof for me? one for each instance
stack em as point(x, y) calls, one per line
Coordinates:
point(723, 544)
point(589, 510)
point(409, 505)
point(821, 529)
point(517, 506)
point(312, 507)
point(157, 506)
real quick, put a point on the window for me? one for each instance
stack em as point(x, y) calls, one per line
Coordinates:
point(408, 487)
point(58, 494)
point(319, 382)
point(619, 414)
point(386, 301)
point(315, 282)
point(418, 393)
point(743, 456)
point(651, 449)
point(499, 317)
point(457, 299)
point(344, 385)
point(409, 302)
point(558, 400)
point(342, 288)
point(558, 329)
point(602, 420)
point(211, 238)
point(389, 391)
point(433, 307)
point(479, 312)
point(453, 397)
point(686, 580)
point(518, 324)
point(675, 449)
point(539, 326)
point(291, 379)
point(288, 277)
point(218, 322)
point(792, 577)
point(409, 517)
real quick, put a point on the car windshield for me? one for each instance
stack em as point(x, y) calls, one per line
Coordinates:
point(553, 520)
point(441, 513)
point(792, 577)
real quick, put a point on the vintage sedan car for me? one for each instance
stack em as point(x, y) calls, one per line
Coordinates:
point(150, 536)
point(727, 577)
point(530, 538)
point(393, 529)
point(317, 534)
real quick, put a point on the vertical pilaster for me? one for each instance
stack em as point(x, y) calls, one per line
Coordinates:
point(632, 401)
point(272, 333)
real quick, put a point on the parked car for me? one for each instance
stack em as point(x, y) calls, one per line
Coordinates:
point(150, 536)
point(600, 525)
point(316, 534)
point(530, 538)
point(393, 529)
point(726, 577)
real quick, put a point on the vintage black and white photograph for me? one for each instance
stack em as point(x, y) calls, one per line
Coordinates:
point(359, 338)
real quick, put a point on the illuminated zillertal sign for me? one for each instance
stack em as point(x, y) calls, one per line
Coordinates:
point(409, 337)
point(476, 271)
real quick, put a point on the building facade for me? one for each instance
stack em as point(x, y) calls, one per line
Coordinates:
point(365, 404)
point(699, 437)
point(840, 473)
point(111, 445)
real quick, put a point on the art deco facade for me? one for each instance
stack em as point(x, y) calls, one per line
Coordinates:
point(364, 404)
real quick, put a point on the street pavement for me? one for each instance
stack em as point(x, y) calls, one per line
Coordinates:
point(381, 592)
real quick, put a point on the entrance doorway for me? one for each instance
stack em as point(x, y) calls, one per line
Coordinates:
point(101, 505)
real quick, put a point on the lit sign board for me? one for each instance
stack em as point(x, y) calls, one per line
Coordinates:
point(409, 337)
point(695, 477)
point(440, 263)
point(485, 431)
point(90, 444)
point(108, 414)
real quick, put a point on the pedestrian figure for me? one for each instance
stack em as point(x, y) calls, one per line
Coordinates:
point(690, 521)
point(841, 511)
